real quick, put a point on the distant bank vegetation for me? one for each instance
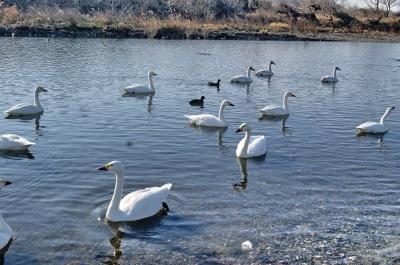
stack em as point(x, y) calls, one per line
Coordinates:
point(187, 16)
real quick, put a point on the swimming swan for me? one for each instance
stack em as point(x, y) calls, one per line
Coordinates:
point(266, 72)
point(331, 78)
point(13, 142)
point(273, 110)
point(243, 79)
point(6, 233)
point(250, 146)
point(375, 127)
point(135, 205)
point(28, 109)
point(209, 120)
point(138, 89)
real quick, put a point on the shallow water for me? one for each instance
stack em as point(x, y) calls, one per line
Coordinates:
point(320, 194)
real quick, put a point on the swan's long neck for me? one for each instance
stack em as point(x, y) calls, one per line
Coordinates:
point(36, 101)
point(248, 73)
point(221, 112)
point(285, 101)
point(243, 152)
point(151, 85)
point(270, 66)
point(116, 198)
point(334, 73)
point(384, 117)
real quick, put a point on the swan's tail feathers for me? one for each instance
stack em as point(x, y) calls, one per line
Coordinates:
point(168, 186)
point(28, 144)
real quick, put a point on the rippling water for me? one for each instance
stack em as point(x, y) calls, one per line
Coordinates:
point(321, 193)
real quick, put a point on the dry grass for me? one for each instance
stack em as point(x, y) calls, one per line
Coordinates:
point(9, 15)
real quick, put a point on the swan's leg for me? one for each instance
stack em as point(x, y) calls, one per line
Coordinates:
point(165, 206)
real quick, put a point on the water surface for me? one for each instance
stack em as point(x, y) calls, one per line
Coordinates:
point(320, 194)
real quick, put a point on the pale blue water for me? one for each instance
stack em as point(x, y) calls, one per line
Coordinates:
point(321, 193)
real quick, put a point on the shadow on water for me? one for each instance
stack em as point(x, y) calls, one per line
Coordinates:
point(142, 97)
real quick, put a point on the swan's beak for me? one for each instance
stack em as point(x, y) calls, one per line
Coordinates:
point(238, 130)
point(44, 90)
point(230, 104)
point(154, 74)
point(103, 168)
point(293, 95)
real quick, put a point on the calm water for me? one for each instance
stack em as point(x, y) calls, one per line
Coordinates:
point(321, 193)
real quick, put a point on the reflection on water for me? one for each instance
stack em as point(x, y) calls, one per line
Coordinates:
point(242, 185)
point(149, 98)
point(3, 252)
point(17, 154)
point(378, 136)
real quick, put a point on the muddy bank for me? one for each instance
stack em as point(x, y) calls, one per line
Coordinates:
point(179, 33)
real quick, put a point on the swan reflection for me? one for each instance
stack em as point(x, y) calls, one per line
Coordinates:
point(142, 97)
point(243, 170)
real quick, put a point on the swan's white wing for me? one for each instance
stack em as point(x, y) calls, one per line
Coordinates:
point(144, 203)
point(264, 72)
point(274, 110)
point(13, 142)
point(371, 127)
point(137, 89)
point(257, 146)
point(240, 79)
point(24, 109)
point(205, 120)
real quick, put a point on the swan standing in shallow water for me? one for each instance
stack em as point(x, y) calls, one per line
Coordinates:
point(138, 89)
point(331, 78)
point(6, 233)
point(209, 120)
point(242, 79)
point(273, 110)
point(28, 109)
point(13, 142)
point(375, 127)
point(250, 146)
point(266, 72)
point(135, 205)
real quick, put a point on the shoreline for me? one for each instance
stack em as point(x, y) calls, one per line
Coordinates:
point(179, 34)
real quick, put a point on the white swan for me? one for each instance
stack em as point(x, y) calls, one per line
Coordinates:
point(331, 78)
point(375, 127)
point(28, 109)
point(250, 146)
point(242, 78)
point(209, 120)
point(138, 89)
point(6, 233)
point(274, 110)
point(135, 205)
point(13, 142)
point(266, 72)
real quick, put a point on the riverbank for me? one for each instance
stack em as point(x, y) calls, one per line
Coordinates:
point(211, 34)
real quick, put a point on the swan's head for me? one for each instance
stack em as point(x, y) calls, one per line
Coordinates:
point(114, 166)
point(202, 97)
point(219, 80)
point(289, 94)
point(337, 69)
point(227, 103)
point(390, 109)
point(272, 62)
point(40, 89)
point(251, 68)
point(243, 128)
point(4, 182)
point(152, 73)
